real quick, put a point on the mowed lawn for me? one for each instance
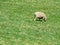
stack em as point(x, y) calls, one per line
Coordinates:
point(17, 25)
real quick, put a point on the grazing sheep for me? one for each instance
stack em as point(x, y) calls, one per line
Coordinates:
point(39, 15)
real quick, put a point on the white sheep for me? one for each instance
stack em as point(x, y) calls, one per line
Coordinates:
point(40, 15)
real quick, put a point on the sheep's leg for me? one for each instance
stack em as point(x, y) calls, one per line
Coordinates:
point(35, 19)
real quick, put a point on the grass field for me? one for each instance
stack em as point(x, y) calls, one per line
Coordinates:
point(18, 28)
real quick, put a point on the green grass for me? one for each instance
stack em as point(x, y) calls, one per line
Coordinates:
point(18, 28)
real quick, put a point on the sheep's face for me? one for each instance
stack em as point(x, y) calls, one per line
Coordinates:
point(40, 15)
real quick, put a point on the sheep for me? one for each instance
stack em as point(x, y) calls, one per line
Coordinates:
point(40, 15)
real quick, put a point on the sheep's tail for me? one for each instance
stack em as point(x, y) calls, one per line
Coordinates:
point(34, 17)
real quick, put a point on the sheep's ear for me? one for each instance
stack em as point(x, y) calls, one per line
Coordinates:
point(44, 19)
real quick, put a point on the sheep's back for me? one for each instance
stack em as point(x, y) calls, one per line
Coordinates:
point(40, 14)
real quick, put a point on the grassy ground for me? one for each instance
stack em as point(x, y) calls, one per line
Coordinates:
point(18, 28)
